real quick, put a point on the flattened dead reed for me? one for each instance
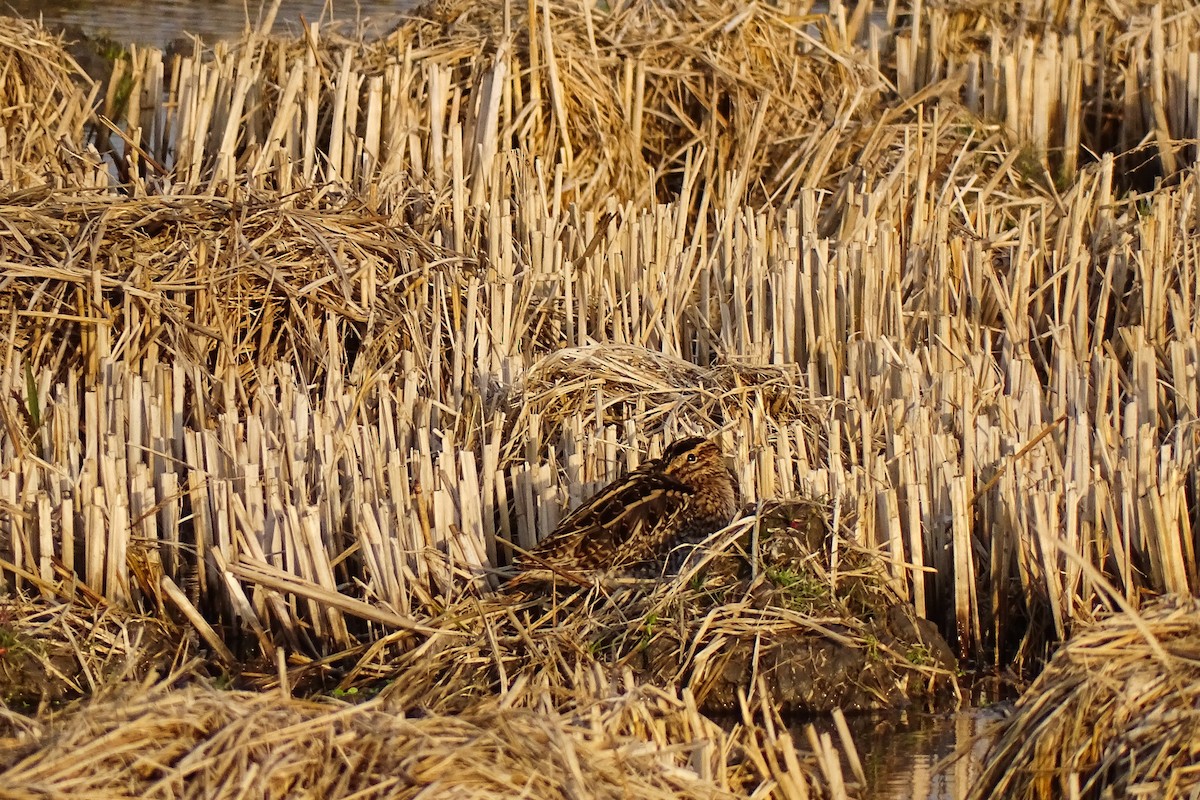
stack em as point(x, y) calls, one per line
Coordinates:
point(777, 605)
point(198, 742)
point(47, 101)
point(51, 653)
point(232, 286)
point(1114, 714)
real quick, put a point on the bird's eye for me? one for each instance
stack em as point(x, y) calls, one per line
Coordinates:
point(691, 458)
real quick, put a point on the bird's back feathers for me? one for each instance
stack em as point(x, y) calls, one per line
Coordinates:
point(631, 523)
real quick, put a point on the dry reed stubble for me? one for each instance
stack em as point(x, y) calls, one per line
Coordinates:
point(944, 303)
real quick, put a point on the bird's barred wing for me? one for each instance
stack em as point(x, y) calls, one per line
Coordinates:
point(594, 534)
point(650, 543)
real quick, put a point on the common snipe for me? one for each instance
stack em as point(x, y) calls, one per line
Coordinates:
point(635, 524)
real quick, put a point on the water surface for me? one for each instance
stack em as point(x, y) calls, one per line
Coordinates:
point(910, 761)
point(159, 22)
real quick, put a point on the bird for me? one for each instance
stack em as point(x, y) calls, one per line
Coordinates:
point(637, 524)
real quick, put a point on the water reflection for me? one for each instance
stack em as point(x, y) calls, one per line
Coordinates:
point(159, 22)
point(903, 763)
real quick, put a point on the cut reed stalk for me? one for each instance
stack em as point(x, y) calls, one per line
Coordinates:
point(362, 305)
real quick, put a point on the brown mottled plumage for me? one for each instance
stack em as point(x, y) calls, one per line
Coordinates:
point(633, 524)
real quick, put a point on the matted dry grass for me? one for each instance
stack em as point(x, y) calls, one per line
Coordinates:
point(234, 287)
point(769, 604)
point(623, 96)
point(197, 742)
point(47, 107)
point(1114, 714)
point(53, 652)
point(626, 94)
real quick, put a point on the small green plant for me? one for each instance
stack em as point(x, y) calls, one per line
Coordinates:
point(798, 590)
point(1064, 179)
point(873, 651)
point(647, 631)
point(783, 577)
point(601, 647)
point(1028, 164)
point(108, 48)
point(355, 694)
point(10, 642)
point(34, 408)
point(112, 51)
point(919, 654)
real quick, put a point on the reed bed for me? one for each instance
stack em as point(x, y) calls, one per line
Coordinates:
point(420, 404)
point(1113, 714)
point(358, 311)
point(619, 100)
point(197, 742)
point(1066, 79)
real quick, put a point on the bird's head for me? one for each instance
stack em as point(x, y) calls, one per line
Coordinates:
point(694, 460)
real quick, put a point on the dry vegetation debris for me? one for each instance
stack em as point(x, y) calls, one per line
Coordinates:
point(52, 653)
point(225, 285)
point(47, 101)
point(767, 606)
point(928, 307)
point(1114, 714)
point(199, 742)
point(871, 274)
point(658, 390)
point(635, 87)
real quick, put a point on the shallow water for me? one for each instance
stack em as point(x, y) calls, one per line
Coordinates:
point(902, 762)
point(159, 22)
